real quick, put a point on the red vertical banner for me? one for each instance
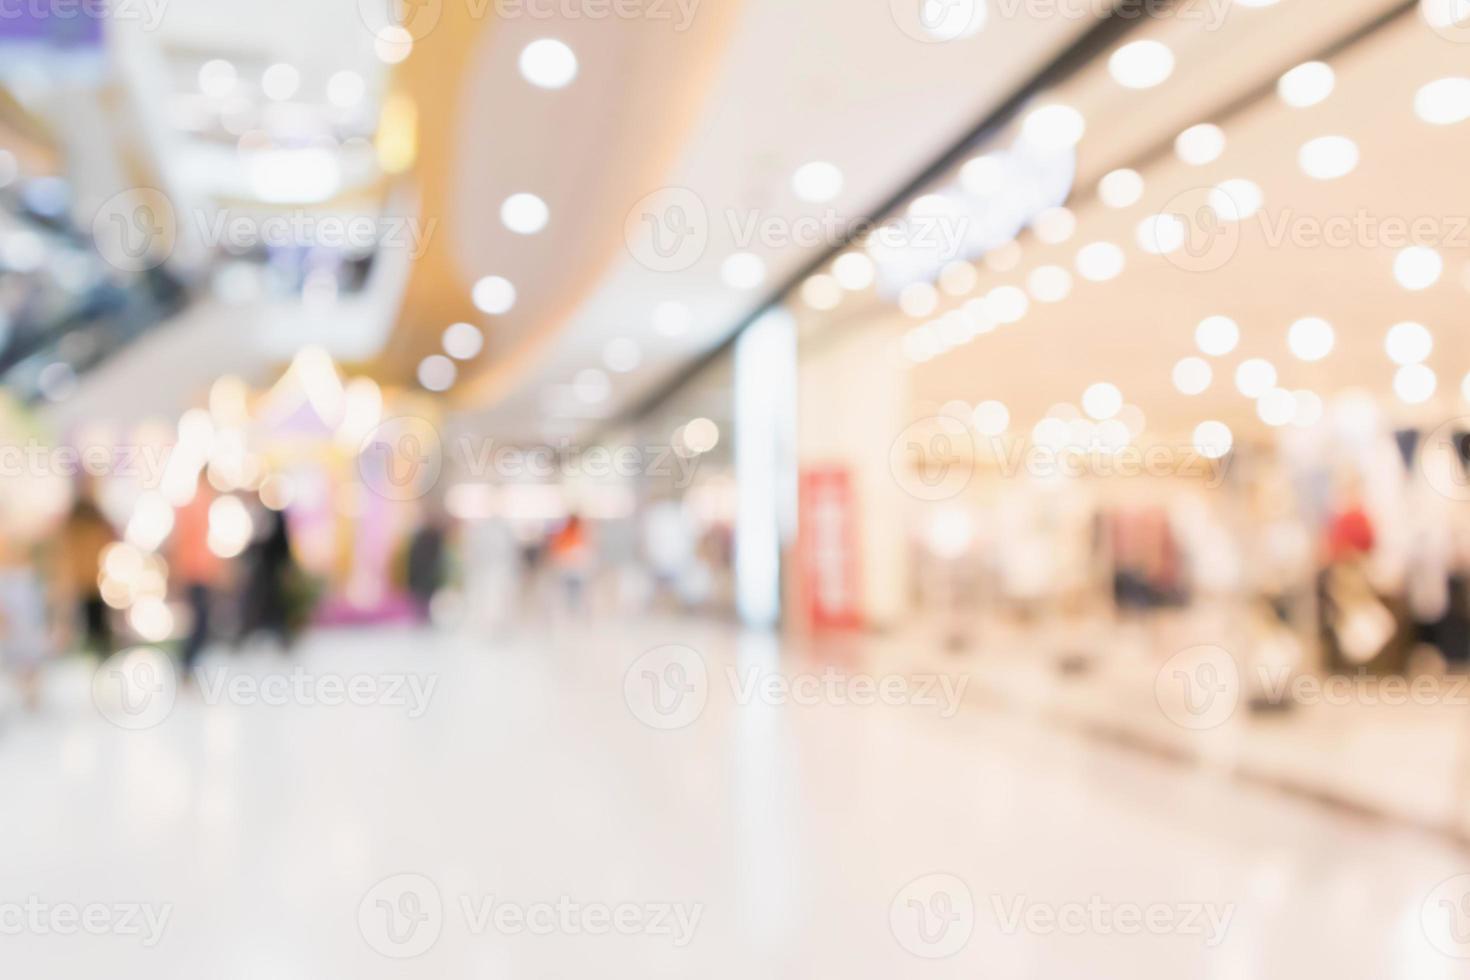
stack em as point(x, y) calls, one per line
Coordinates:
point(828, 546)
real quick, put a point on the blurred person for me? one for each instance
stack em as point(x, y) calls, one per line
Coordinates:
point(84, 537)
point(24, 636)
point(571, 557)
point(427, 565)
point(269, 566)
point(197, 569)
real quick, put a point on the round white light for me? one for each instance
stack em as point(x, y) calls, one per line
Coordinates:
point(591, 386)
point(1217, 335)
point(1102, 401)
point(1053, 127)
point(918, 299)
point(280, 81)
point(463, 341)
point(1121, 188)
point(700, 436)
point(1308, 409)
point(1414, 384)
point(1054, 225)
point(1444, 102)
point(1192, 375)
point(1049, 283)
point(821, 292)
point(524, 214)
point(1328, 157)
point(1311, 338)
point(1443, 14)
point(743, 270)
point(1006, 304)
point(548, 63)
point(1408, 343)
point(817, 182)
point(1160, 234)
point(1276, 407)
point(1306, 84)
point(991, 418)
point(346, 89)
point(622, 355)
point(1141, 64)
point(853, 271)
point(672, 319)
point(1236, 199)
point(1199, 145)
point(1212, 439)
point(1254, 377)
point(393, 44)
point(1100, 261)
point(984, 175)
point(494, 295)
point(217, 78)
point(437, 372)
point(1417, 267)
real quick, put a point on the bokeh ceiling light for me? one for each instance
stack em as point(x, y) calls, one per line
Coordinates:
point(1236, 199)
point(1120, 188)
point(1408, 343)
point(1444, 102)
point(463, 341)
point(1306, 84)
point(1049, 283)
point(548, 63)
point(1417, 267)
point(1414, 384)
point(1217, 335)
point(1102, 401)
point(817, 182)
point(1199, 145)
point(1213, 439)
point(1141, 64)
point(1254, 377)
point(1328, 157)
point(991, 418)
point(524, 214)
point(437, 373)
point(854, 271)
point(1311, 338)
point(743, 270)
point(821, 292)
point(1053, 127)
point(1100, 261)
point(494, 295)
point(1192, 376)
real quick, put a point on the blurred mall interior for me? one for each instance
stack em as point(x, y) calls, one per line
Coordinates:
point(714, 488)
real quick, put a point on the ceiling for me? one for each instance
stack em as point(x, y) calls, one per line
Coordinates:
point(1264, 272)
point(726, 110)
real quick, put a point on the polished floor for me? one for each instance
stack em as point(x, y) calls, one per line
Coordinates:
point(660, 800)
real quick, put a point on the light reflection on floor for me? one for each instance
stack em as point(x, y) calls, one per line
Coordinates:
point(532, 822)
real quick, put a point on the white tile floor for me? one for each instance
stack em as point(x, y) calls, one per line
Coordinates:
point(557, 779)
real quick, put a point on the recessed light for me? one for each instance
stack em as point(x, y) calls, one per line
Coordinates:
point(346, 89)
point(854, 271)
point(1254, 377)
point(280, 82)
point(1444, 102)
point(1236, 199)
point(1217, 335)
point(1160, 234)
point(524, 214)
point(743, 270)
point(1141, 64)
point(1414, 384)
point(1328, 157)
point(817, 182)
point(1120, 188)
point(548, 63)
point(991, 418)
point(1054, 127)
point(1417, 267)
point(437, 372)
point(1408, 343)
point(1049, 283)
point(1100, 261)
point(1311, 338)
point(1102, 401)
point(1199, 145)
point(1212, 439)
point(1306, 84)
point(1192, 375)
point(494, 295)
point(463, 341)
